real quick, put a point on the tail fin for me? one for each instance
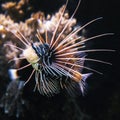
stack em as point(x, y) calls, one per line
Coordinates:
point(83, 83)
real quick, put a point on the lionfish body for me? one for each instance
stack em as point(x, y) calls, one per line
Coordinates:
point(53, 73)
point(58, 57)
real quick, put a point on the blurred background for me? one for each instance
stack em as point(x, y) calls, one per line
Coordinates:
point(102, 99)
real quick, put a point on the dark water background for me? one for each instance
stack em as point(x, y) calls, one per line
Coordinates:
point(102, 101)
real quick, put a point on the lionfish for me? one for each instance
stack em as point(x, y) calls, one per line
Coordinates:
point(57, 58)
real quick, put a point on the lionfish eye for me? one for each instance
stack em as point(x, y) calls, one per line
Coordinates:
point(46, 48)
point(42, 51)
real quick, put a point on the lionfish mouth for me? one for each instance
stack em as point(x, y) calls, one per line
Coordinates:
point(59, 55)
